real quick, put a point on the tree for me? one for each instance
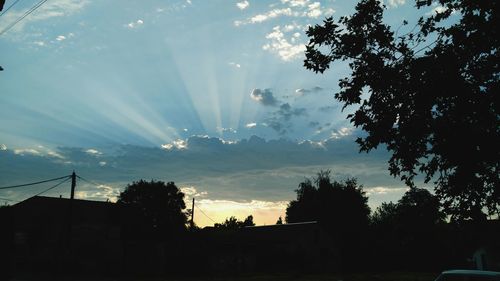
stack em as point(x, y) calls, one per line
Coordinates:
point(234, 223)
point(157, 206)
point(331, 203)
point(341, 208)
point(279, 221)
point(430, 94)
point(412, 225)
point(385, 215)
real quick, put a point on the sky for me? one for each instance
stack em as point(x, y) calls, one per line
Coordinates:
point(211, 95)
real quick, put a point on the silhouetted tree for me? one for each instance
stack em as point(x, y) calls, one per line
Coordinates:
point(234, 223)
point(407, 232)
point(331, 203)
point(340, 207)
point(428, 92)
point(157, 206)
point(279, 221)
point(385, 214)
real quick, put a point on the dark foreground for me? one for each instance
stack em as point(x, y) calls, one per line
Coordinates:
point(393, 276)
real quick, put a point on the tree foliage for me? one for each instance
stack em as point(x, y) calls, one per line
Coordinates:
point(412, 225)
point(341, 204)
point(430, 94)
point(157, 206)
point(279, 221)
point(341, 208)
point(234, 223)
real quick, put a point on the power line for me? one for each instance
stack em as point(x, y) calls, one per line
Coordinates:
point(89, 181)
point(204, 213)
point(12, 5)
point(32, 183)
point(39, 193)
point(7, 199)
point(52, 187)
point(27, 13)
point(94, 183)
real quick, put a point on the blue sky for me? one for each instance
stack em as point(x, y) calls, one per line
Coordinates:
point(209, 94)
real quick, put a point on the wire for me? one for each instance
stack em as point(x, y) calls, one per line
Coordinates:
point(89, 181)
point(27, 13)
point(39, 193)
point(33, 183)
point(12, 5)
point(7, 199)
point(204, 213)
point(52, 187)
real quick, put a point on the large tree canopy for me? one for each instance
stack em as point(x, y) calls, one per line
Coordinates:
point(430, 94)
point(336, 205)
point(156, 205)
point(234, 223)
point(412, 225)
point(341, 208)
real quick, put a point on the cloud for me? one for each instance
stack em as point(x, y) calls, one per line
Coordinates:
point(313, 124)
point(242, 5)
point(190, 192)
point(264, 97)
point(176, 144)
point(381, 190)
point(264, 212)
point(237, 65)
point(38, 151)
point(288, 47)
point(438, 9)
point(93, 151)
point(270, 15)
point(135, 24)
point(285, 48)
point(395, 3)
point(242, 172)
point(279, 120)
point(342, 132)
point(314, 10)
point(292, 27)
point(327, 108)
point(50, 9)
point(315, 89)
point(287, 112)
point(296, 3)
point(297, 8)
point(99, 192)
point(27, 151)
point(225, 130)
point(251, 125)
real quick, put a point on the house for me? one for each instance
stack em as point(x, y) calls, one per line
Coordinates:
point(486, 255)
point(49, 233)
point(46, 235)
point(283, 247)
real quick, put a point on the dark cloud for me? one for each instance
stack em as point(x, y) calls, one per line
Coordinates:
point(286, 111)
point(313, 124)
point(328, 108)
point(202, 160)
point(265, 97)
point(307, 91)
point(280, 120)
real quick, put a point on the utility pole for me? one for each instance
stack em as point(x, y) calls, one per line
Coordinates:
point(192, 215)
point(73, 184)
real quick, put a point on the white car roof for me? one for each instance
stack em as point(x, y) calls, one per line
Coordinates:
point(472, 272)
